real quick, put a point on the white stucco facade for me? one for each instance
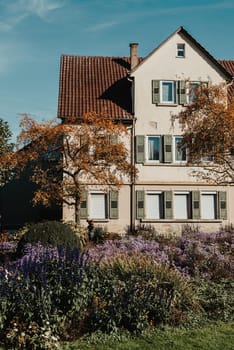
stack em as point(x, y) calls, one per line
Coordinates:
point(165, 194)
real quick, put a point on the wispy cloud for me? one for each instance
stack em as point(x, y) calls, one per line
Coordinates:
point(40, 8)
point(12, 12)
point(101, 26)
point(129, 10)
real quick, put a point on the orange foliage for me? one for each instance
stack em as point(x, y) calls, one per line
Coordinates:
point(208, 126)
point(65, 158)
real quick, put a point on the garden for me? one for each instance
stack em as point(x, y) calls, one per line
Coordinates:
point(59, 290)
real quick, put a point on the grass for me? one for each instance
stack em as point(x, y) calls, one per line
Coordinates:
point(213, 337)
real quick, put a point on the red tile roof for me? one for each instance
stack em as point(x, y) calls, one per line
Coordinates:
point(229, 66)
point(94, 84)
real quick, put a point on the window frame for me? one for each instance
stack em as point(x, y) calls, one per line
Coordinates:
point(188, 89)
point(215, 208)
point(175, 150)
point(180, 50)
point(159, 194)
point(105, 195)
point(188, 204)
point(172, 83)
point(147, 149)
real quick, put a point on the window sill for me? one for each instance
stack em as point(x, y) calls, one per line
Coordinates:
point(100, 220)
point(181, 221)
point(176, 164)
point(166, 104)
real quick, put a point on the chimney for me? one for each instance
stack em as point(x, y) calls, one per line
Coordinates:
point(133, 55)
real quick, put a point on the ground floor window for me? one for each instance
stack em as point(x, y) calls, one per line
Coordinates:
point(98, 206)
point(208, 206)
point(181, 205)
point(154, 205)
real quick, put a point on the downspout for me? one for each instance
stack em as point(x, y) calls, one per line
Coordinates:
point(133, 212)
point(133, 64)
point(132, 150)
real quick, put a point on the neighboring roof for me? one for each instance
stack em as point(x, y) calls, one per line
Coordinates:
point(184, 32)
point(94, 84)
point(229, 66)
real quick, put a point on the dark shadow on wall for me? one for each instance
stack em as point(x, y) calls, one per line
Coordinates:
point(16, 207)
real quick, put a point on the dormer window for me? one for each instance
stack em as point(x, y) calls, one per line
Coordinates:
point(180, 50)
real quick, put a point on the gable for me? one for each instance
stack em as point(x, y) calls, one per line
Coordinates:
point(193, 51)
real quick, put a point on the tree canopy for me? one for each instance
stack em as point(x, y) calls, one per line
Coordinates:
point(208, 133)
point(5, 147)
point(64, 159)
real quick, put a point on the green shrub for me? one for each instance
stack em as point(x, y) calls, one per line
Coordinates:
point(217, 299)
point(81, 232)
point(134, 293)
point(49, 233)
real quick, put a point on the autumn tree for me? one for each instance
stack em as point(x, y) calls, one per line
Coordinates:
point(208, 133)
point(5, 147)
point(64, 159)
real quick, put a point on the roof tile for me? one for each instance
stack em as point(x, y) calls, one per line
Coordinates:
point(94, 84)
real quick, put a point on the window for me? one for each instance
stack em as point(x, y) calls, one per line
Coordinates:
point(192, 91)
point(193, 88)
point(154, 148)
point(181, 205)
point(180, 153)
point(164, 92)
point(98, 206)
point(167, 92)
point(180, 50)
point(159, 149)
point(154, 205)
point(207, 154)
point(208, 205)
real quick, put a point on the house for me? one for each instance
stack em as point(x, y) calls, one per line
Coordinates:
point(145, 93)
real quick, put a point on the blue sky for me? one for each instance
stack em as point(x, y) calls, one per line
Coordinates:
point(34, 33)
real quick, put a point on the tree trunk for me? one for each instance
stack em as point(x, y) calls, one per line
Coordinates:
point(77, 209)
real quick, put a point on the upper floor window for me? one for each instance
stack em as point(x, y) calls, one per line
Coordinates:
point(193, 89)
point(167, 89)
point(164, 91)
point(180, 50)
point(154, 148)
point(161, 148)
point(180, 154)
point(175, 92)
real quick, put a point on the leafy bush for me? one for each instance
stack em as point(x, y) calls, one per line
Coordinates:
point(217, 299)
point(133, 293)
point(49, 233)
point(80, 231)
